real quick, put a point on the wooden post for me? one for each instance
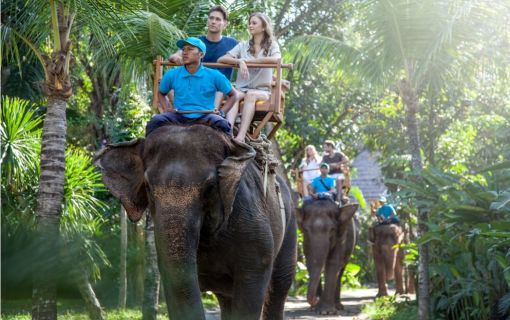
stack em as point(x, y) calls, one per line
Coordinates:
point(158, 73)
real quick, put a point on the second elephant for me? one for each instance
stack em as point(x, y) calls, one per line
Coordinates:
point(329, 238)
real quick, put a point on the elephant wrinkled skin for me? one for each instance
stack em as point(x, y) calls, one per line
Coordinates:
point(389, 258)
point(329, 239)
point(215, 230)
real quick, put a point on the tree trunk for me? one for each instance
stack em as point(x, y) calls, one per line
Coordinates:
point(411, 103)
point(49, 205)
point(87, 293)
point(152, 277)
point(123, 255)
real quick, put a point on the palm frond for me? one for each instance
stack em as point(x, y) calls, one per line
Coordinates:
point(20, 133)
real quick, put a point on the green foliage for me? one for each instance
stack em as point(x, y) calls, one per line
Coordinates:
point(316, 113)
point(209, 300)
point(82, 210)
point(469, 239)
point(388, 308)
point(19, 133)
point(350, 277)
point(128, 120)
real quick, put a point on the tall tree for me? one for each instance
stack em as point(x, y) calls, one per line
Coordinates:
point(123, 258)
point(45, 27)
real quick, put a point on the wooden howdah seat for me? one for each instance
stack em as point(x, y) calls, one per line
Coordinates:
point(265, 111)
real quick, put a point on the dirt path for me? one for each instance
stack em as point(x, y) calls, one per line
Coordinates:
point(353, 301)
point(298, 308)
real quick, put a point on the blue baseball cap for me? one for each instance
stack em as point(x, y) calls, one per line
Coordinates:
point(195, 42)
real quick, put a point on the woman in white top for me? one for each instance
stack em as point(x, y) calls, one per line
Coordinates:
point(310, 167)
point(254, 83)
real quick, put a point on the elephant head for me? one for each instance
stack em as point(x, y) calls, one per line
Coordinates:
point(188, 176)
point(323, 223)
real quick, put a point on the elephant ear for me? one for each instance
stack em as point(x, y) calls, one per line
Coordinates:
point(123, 173)
point(230, 172)
point(347, 212)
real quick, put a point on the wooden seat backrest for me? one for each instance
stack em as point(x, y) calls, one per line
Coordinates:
point(266, 111)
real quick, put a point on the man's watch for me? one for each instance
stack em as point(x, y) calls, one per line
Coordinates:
point(222, 113)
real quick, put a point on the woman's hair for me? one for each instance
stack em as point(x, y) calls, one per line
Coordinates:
point(315, 154)
point(268, 33)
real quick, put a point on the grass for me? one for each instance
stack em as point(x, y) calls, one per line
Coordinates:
point(388, 308)
point(73, 309)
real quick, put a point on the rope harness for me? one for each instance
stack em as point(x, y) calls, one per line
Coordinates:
point(265, 159)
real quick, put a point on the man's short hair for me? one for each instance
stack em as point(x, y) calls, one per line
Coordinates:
point(330, 143)
point(220, 9)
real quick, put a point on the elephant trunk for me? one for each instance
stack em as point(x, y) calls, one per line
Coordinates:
point(315, 265)
point(177, 236)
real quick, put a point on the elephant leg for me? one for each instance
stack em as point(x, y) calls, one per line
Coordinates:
point(249, 291)
point(326, 303)
point(411, 278)
point(380, 271)
point(399, 285)
point(281, 278)
point(225, 306)
point(338, 302)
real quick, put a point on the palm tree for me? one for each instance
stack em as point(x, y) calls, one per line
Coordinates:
point(406, 46)
point(45, 27)
point(20, 135)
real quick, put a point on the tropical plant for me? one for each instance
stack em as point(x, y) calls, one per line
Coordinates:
point(45, 27)
point(469, 238)
point(20, 133)
point(82, 212)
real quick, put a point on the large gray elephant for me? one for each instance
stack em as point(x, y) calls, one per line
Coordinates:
point(329, 238)
point(215, 230)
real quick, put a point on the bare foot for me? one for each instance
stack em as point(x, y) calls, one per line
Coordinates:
point(239, 139)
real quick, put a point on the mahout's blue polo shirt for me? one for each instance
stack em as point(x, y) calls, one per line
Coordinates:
point(386, 211)
point(194, 91)
point(319, 186)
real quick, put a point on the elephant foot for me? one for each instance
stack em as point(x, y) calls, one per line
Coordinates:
point(325, 309)
point(339, 306)
point(381, 294)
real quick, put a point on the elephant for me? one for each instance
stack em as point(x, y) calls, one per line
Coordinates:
point(329, 238)
point(216, 228)
point(389, 257)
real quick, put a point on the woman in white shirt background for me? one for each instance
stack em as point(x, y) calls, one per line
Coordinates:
point(310, 167)
point(255, 83)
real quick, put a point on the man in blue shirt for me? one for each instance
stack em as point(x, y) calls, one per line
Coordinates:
point(194, 88)
point(322, 187)
point(386, 214)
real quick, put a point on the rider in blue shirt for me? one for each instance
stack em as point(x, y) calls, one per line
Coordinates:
point(322, 187)
point(195, 87)
point(386, 214)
